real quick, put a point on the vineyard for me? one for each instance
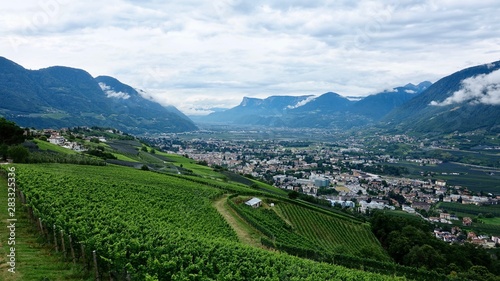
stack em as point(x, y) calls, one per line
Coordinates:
point(147, 226)
point(333, 234)
point(319, 235)
point(311, 230)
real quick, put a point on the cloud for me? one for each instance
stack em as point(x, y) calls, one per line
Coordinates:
point(222, 50)
point(481, 89)
point(302, 102)
point(112, 94)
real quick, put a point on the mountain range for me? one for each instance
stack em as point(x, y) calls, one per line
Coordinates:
point(59, 96)
point(464, 101)
point(324, 111)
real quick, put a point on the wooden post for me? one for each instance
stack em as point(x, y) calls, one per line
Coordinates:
point(82, 247)
point(41, 226)
point(95, 265)
point(23, 198)
point(62, 244)
point(55, 238)
point(72, 250)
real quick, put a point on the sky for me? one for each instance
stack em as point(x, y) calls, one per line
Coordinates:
point(198, 55)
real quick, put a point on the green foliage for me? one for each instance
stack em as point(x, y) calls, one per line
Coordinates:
point(409, 241)
point(101, 154)
point(79, 159)
point(293, 195)
point(10, 133)
point(18, 153)
point(4, 149)
point(156, 226)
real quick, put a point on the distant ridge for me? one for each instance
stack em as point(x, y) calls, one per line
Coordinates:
point(60, 96)
point(463, 101)
point(329, 110)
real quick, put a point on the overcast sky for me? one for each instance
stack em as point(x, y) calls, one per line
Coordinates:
point(202, 54)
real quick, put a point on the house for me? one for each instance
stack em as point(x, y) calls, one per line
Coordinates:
point(254, 202)
point(440, 183)
point(421, 205)
point(467, 221)
point(408, 209)
point(57, 140)
point(445, 216)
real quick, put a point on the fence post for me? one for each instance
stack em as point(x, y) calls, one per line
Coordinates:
point(95, 265)
point(82, 247)
point(62, 244)
point(72, 250)
point(41, 226)
point(55, 238)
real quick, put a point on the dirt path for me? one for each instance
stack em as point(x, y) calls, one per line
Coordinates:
point(245, 233)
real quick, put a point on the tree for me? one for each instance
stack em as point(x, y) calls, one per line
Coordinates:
point(18, 153)
point(144, 148)
point(293, 195)
point(145, 167)
point(424, 256)
point(4, 149)
point(10, 133)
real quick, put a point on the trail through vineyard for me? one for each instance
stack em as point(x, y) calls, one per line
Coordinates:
point(245, 233)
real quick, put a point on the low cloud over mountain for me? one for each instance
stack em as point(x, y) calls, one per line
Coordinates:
point(481, 89)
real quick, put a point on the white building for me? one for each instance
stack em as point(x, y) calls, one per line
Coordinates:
point(254, 202)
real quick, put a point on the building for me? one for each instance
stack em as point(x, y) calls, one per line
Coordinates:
point(58, 140)
point(254, 202)
point(440, 183)
point(467, 221)
point(322, 182)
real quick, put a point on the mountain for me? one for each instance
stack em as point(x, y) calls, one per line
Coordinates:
point(377, 106)
point(463, 101)
point(256, 111)
point(329, 110)
point(65, 97)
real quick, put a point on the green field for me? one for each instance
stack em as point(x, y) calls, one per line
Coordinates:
point(190, 164)
point(43, 145)
point(494, 221)
point(124, 158)
point(474, 178)
point(157, 226)
point(470, 209)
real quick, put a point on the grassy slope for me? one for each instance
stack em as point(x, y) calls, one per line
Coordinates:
point(43, 145)
point(190, 164)
point(34, 261)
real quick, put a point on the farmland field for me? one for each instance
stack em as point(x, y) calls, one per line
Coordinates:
point(156, 226)
point(474, 178)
